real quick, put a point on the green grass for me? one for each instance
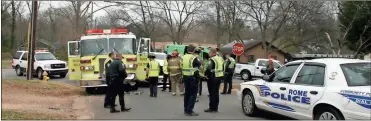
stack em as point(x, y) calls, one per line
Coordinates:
point(15, 115)
point(6, 64)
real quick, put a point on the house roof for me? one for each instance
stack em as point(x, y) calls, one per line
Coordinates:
point(248, 44)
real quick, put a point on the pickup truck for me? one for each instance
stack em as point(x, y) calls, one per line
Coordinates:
point(249, 70)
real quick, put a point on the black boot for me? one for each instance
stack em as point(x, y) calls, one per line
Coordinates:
point(125, 109)
point(211, 111)
point(113, 110)
point(191, 114)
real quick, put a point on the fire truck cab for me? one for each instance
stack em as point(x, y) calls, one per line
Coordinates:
point(87, 56)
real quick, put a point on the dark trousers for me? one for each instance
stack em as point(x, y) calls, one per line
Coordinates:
point(214, 93)
point(227, 83)
point(199, 85)
point(166, 79)
point(208, 85)
point(153, 82)
point(117, 91)
point(191, 87)
point(108, 93)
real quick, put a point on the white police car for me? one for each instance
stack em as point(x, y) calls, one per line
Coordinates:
point(312, 89)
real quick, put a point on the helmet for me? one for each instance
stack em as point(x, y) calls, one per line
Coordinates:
point(151, 55)
point(198, 50)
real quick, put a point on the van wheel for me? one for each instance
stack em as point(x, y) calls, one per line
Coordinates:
point(18, 71)
point(328, 113)
point(245, 75)
point(40, 73)
point(248, 104)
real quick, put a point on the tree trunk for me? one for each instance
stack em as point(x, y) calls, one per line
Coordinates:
point(218, 23)
point(12, 34)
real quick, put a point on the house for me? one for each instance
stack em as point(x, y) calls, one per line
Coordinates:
point(254, 50)
point(367, 57)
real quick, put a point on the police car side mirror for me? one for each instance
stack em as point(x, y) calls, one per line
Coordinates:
point(263, 71)
point(266, 78)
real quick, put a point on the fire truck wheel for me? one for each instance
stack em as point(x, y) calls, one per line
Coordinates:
point(62, 75)
point(90, 90)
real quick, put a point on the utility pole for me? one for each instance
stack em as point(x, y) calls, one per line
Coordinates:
point(32, 43)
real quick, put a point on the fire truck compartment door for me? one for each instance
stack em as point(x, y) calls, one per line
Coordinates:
point(74, 72)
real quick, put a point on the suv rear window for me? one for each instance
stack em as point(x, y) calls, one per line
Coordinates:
point(17, 55)
point(357, 74)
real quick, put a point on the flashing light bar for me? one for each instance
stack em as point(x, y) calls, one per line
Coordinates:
point(107, 31)
point(42, 50)
point(321, 56)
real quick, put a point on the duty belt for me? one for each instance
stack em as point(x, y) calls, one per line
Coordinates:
point(190, 70)
point(217, 71)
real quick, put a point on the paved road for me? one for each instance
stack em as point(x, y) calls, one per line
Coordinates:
point(165, 106)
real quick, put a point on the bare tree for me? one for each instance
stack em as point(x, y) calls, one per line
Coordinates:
point(270, 17)
point(180, 24)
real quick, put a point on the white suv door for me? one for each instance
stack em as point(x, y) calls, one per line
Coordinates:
point(23, 61)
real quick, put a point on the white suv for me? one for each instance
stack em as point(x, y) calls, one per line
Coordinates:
point(44, 61)
point(312, 89)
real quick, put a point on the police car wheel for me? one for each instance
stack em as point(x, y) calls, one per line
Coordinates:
point(328, 113)
point(248, 104)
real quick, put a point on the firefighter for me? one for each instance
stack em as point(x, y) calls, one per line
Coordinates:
point(108, 96)
point(229, 66)
point(214, 72)
point(166, 74)
point(117, 76)
point(190, 64)
point(199, 73)
point(175, 73)
point(270, 68)
point(153, 71)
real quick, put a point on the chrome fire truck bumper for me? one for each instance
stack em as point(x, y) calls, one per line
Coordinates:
point(100, 82)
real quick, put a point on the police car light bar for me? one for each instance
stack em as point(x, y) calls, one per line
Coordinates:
point(106, 31)
point(42, 50)
point(321, 56)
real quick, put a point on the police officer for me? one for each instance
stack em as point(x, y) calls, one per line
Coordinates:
point(199, 73)
point(107, 73)
point(166, 74)
point(175, 73)
point(229, 66)
point(215, 74)
point(117, 75)
point(270, 67)
point(190, 64)
point(153, 71)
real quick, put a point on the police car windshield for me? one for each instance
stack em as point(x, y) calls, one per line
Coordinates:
point(122, 45)
point(44, 56)
point(357, 74)
point(91, 47)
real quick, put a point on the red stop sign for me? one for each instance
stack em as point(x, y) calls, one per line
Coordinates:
point(238, 49)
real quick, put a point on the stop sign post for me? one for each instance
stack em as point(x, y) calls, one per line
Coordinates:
point(238, 49)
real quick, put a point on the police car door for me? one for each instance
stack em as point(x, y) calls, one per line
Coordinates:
point(275, 91)
point(307, 88)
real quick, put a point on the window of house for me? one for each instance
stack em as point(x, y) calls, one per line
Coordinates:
point(275, 57)
point(251, 58)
